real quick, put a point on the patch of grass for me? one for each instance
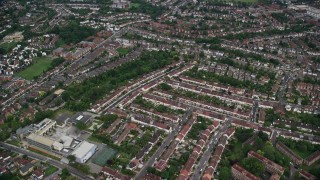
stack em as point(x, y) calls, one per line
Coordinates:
point(60, 43)
point(40, 65)
point(50, 170)
point(43, 153)
point(62, 111)
point(94, 139)
point(14, 142)
point(123, 51)
point(135, 5)
point(7, 47)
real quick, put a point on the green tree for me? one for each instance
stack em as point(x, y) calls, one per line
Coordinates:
point(225, 173)
point(65, 173)
point(81, 125)
point(71, 158)
point(253, 165)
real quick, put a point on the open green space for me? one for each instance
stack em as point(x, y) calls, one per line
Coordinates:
point(140, 6)
point(62, 111)
point(7, 47)
point(72, 33)
point(94, 139)
point(135, 5)
point(50, 170)
point(123, 51)
point(103, 156)
point(14, 142)
point(40, 65)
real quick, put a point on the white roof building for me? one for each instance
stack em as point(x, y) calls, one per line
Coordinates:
point(84, 151)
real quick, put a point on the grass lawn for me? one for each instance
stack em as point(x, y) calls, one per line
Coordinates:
point(136, 5)
point(40, 65)
point(123, 51)
point(94, 139)
point(60, 43)
point(303, 154)
point(14, 142)
point(50, 170)
point(62, 111)
point(43, 153)
point(7, 47)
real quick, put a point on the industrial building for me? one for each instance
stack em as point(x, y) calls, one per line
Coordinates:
point(57, 140)
point(40, 141)
point(36, 137)
point(84, 151)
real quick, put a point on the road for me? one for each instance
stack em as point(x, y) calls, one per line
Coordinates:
point(283, 88)
point(163, 146)
point(255, 108)
point(293, 170)
point(44, 158)
point(274, 136)
point(208, 152)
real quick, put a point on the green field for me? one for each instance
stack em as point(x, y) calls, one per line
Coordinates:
point(7, 47)
point(123, 51)
point(103, 156)
point(40, 65)
point(58, 112)
point(50, 170)
point(14, 142)
point(135, 5)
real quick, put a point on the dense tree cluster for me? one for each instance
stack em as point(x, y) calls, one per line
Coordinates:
point(253, 165)
point(12, 123)
point(73, 32)
point(147, 8)
point(201, 125)
point(80, 96)
point(281, 17)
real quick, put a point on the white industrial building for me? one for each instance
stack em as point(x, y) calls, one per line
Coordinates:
point(84, 151)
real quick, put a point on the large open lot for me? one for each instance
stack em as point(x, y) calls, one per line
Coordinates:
point(8, 46)
point(40, 65)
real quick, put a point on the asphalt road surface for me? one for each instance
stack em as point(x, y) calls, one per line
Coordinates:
point(163, 146)
point(45, 159)
point(208, 152)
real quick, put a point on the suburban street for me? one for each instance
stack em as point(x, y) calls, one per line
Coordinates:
point(255, 109)
point(45, 159)
point(163, 146)
point(208, 152)
point(283, 88)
